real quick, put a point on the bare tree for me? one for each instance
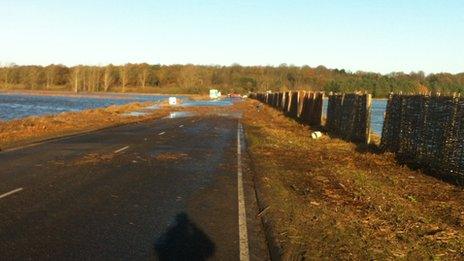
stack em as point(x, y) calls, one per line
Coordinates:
point(143, 74)
point(123, 77)
point(6, 74)
point(188, 76)
point(94, 78)
point(50, 74)
point(108, 77)
point(75, 75)
point(8, 71)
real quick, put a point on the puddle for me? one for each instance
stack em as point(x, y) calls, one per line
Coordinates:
point(221, 102)
point(143, 112)
point(179, 114)
point(135, 114)
point(187, 103)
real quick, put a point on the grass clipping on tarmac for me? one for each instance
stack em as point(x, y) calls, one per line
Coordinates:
point(327, 199)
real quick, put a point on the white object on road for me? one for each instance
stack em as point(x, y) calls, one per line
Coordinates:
point(172, 101)
point(316, 135)
point(214, 94)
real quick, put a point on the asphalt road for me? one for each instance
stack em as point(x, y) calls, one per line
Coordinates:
point(165, 189)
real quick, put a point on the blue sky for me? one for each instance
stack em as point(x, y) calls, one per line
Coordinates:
point(368, 35)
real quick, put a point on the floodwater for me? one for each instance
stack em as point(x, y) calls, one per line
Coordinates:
point(377, 114)
point(217, 102)
point(15, 106)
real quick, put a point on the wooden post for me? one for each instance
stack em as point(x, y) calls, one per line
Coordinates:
point(289, 102)
point(301, 96)
point(368, 98)
point(283, 101)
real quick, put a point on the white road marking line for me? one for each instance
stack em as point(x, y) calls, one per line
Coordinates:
point(11, 192)
point(242, 223)
point(180, 126)
point(161, 133)
point(121, 149)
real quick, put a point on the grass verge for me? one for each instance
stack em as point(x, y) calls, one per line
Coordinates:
point(330, 199)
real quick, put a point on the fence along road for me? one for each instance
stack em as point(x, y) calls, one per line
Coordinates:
point(427, 131)
point(131, 193)
point(424, 131)
point(348, 115)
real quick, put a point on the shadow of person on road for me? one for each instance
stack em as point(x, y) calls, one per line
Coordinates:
point(184, 241)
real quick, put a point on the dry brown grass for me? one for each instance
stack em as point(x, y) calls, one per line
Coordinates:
point(332, 199)
point(31, 129)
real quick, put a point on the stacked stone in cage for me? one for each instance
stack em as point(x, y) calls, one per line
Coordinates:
point(275, 97)
point(348, 115)
point(333, 107)
point(307, 107)
point(456, 143)
point(292, 109)
point(427, 131)
point(316, 113)
point(411, 125)
point(346, 128)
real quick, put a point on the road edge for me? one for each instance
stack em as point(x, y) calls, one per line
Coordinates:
point(274, 247)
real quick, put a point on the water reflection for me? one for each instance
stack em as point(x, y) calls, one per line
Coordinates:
point(14, 106)
point(180, 114)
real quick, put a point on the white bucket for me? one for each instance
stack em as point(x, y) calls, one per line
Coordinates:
point(316, 135)
point(172, 100)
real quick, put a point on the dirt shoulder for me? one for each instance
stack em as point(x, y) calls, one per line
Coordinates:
point(32, 129)
point(331, 199)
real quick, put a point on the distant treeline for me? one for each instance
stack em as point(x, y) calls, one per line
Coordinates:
point(235, 78)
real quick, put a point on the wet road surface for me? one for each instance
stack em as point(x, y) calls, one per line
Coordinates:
point(165, 189)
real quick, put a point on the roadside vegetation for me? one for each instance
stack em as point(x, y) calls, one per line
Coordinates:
point(31, 129)
point(197, 79)
point(330, 199)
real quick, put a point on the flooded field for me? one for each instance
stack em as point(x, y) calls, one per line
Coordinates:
point(15, 106)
